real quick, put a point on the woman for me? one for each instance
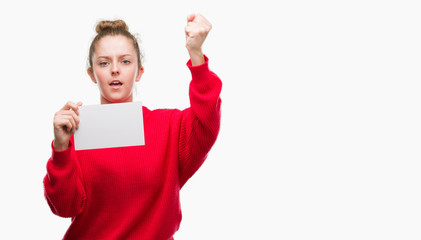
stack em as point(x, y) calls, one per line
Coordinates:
point(133, 192)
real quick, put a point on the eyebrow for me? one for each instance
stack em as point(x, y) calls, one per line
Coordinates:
point(120, 56)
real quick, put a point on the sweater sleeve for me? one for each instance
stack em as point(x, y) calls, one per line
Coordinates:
point(201, 121)
point(63, 186)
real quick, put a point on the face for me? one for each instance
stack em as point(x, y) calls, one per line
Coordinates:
point(115, 69)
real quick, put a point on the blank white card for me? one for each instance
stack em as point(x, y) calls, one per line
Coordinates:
point(110, 125)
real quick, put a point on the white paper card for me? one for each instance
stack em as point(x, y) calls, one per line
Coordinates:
point(110, 125)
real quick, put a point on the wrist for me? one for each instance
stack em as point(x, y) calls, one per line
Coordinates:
point(60, 146)
point(196, 57)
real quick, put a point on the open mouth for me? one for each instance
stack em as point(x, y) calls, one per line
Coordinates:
point(116, 84)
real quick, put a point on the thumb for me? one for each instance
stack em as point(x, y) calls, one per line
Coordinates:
point(191, 17)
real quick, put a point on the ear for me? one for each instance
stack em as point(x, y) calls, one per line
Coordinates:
point(139, 74)
point(91, 74)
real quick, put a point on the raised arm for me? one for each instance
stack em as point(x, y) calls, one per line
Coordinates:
point(201, 121)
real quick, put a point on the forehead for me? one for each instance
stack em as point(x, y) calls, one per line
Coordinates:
point(114, 45)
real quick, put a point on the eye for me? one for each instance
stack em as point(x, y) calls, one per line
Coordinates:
point(103, 64)
point(126, 62)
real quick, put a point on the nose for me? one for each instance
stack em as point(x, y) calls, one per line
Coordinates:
point(115, 70)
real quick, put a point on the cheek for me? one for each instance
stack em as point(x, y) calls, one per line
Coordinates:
point(135, 75)
point(100, 77)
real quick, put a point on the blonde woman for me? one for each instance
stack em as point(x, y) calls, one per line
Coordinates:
point(133, 192)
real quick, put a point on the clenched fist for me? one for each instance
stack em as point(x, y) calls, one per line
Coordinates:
point(196, 31)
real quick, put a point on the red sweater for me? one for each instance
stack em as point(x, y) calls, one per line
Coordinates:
point(133, 192)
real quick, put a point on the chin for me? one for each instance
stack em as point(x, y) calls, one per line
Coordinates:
point(116, 99)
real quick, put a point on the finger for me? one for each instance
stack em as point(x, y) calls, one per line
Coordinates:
point(67, 105)
point(190, 17)
point(201, 19)
point(65, 123)
point(197, 31)
point(198, 17)
point(191, 32)
point(59, 122)
point(74, 116)
point(200, 27)
point(68, 113)
point(188, 30)
point(195, 28)
point(73, 124)
point(71, 105)
point(77, 121)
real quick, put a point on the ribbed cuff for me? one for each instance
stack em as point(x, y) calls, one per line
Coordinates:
point(199, 70)
point(61, 158)
point(204, 81)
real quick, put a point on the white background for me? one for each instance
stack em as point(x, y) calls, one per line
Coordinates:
point(320, 134)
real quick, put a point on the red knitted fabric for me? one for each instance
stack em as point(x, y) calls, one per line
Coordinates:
point(133, 192)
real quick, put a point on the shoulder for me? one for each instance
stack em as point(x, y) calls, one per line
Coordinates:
point(161, 113)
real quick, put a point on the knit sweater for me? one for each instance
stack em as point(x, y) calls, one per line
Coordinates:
point(133, 192)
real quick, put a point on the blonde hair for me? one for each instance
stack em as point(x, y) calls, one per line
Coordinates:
point(113, 28)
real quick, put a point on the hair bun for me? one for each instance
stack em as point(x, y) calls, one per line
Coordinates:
point(111, 25)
